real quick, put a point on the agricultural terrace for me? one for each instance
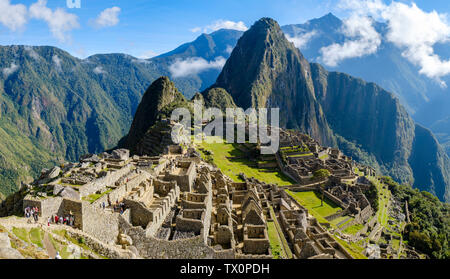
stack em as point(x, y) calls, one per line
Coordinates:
point(232, 161)
point(312, 201)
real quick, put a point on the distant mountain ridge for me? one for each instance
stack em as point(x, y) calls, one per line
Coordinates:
point(55, 107)
point(424, 98)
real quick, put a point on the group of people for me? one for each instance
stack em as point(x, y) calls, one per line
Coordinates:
point(32, 212)
point(119, 207)
point(61, 220)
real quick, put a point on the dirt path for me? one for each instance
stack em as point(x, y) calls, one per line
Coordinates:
point(51, 251)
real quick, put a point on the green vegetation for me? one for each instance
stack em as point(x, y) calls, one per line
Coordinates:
point(429, 229)
point(79, 242)
point(321, 174)
point(37, 236)
point(275, 242)
point(93, 197)
point(353, 229)
point(354, 249)
point(284, 244)
point(22, 234)
point(312, 201)
point(232, 162)
point(384, 196)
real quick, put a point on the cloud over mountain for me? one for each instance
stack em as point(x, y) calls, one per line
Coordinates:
point(412, 29)
point(221, 24)
point(10, 70)
point(301, 40)
point(194, 65)
point(364, 40)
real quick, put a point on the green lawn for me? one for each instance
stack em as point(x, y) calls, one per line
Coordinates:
point(354, 249)
point(235, 164)
point(93, 197)
point(353, 229)
point(384, 196)
point(336, 221)
point(286, 251)
point(275, 242)
point(312, 201)
point(22, 234)
point(36, 236)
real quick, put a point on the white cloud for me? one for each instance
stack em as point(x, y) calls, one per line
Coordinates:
point(411, 29)
point(365, 40)
point(221, 24)
point(194, 65)
point(99, 70)
point(195, 29)
point(13, 16)
point(59, 21)
point(57, 61)
point(109, 17)
point(148, 54)
point(229, 49)
point(302, 40)
point(32, 53)
point(10, 70)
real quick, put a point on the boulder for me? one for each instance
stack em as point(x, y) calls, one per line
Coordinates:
point(90, 158)
point(53, 173)
point(68, 192)
point(133, 250)
point(74, 250)
point(6, 252)
point(57, 189)
point(121, 154)
point(125, 240)
point(47, 174)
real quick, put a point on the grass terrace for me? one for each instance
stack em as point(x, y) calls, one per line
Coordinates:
point(93, 197)
point(312, 201)
point(275, 242)
point(278, 233)
point(233, 161)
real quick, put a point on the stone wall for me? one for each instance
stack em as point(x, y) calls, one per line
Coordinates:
point(75, 208)
point(153, 248)
point(100, 223)
point(140, 215)
point(101, 183)
point(47, 207)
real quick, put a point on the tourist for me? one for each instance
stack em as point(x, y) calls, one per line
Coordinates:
point(56, 219)
point(48, 221)
point(58, 256)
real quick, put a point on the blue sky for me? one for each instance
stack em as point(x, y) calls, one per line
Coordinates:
point(148, 27)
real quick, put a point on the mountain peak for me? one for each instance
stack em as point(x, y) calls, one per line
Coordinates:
point(329, 19)
point(155, 104)
point(266, 70)
point(266, 22)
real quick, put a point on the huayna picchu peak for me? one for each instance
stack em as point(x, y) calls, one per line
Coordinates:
point(118, 157)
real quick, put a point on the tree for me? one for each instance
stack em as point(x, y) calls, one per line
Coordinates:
point(322, 174)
